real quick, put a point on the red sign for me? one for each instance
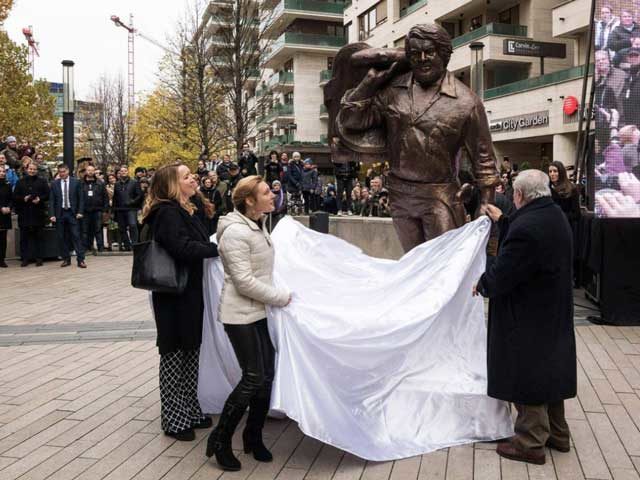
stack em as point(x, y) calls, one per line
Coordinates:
point(570, 105)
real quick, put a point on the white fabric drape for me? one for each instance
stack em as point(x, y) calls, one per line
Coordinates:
point(384, 359)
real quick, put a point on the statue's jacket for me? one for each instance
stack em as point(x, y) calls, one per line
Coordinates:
point(423, 141)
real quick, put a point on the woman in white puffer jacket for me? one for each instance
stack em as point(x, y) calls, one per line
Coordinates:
point(247, 255)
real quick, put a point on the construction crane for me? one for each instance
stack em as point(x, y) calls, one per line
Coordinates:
point(33, 48)
point(133, 32)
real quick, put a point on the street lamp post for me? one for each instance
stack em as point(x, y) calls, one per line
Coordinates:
point(477, 68)
point(68, 100)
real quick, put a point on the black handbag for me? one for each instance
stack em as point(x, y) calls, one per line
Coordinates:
point(154, 269)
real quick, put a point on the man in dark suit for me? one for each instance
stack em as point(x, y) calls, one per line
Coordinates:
point(127, 198)
point(531, 350)
point(66, 208)
point(96, 201)
point(248, 161)
point(29, 197)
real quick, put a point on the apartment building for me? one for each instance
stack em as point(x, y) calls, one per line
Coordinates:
point(533, 54)
point(304, 36)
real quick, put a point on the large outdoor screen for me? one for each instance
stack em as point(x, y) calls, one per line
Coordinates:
point(617, 108)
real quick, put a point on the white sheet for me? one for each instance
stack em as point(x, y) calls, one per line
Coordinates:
point(384, 359)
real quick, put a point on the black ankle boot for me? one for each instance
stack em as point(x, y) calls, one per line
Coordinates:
point(219, 442)
point(253, 444)
point(223, 452)
point(252, 435)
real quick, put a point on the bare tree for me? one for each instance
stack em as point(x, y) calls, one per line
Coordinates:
point(189, 84)
point(236, 50)
point(121, 139)
point(113, 141)
point(102, 95)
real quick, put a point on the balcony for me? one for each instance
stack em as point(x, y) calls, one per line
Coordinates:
point(325, 76)
point(323, 112)
point(537, 82)
point(261, 91)
point(277, 140)
point(253, 77)
point(216, 6)
point(280, 112)
point(571, 18)
point(288, 10)
point(221, 22)
point(292, 42)
point(490, 29)
point(281, 81)
point(412, 8)
point(216, 24)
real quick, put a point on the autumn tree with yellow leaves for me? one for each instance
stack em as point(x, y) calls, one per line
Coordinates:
point(27, 107)
point(158, 140)
point(5, 8)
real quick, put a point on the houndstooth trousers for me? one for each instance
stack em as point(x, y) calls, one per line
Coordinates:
point(180, 409)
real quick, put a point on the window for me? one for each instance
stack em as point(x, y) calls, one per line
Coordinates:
point(510, 16)
point(335, 30)
point(404, 4)
point(370, 19)
point(450, 27)
point(288, 98)
point(288, 65)
point(347, 27)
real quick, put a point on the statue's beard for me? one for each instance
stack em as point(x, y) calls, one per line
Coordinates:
point(427, 76)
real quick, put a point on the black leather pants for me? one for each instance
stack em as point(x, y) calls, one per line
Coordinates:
point(256, 356)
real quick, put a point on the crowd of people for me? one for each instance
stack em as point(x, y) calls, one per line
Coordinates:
point(299, 188)
point(617, 113)
point(99, 210)
point(80, 207)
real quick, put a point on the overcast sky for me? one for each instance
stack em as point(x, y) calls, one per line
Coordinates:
point(81, 30)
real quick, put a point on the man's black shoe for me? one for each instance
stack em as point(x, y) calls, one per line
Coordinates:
point(3, 264)
point(101, 249)
point(38, 263)
point(82, 265)
point(127, 249)
point(24, 263)
point(65, 263)
point(187, 435)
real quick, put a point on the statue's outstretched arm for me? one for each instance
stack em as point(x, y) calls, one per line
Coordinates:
point(477, 139)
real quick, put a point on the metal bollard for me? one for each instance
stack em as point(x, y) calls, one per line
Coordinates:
point(319, 221)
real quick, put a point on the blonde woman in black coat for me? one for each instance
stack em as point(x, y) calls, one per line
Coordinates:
point(170, 216)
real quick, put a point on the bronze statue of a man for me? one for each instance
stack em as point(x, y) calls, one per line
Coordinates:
point(426, 117)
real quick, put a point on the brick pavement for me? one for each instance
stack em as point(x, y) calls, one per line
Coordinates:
point(79, 398)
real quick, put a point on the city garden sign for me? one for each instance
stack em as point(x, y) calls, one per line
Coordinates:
point(520, 122)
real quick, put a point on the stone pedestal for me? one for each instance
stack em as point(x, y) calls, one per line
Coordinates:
point(375, 236)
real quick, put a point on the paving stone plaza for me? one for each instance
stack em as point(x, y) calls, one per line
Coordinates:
point(79, 398)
